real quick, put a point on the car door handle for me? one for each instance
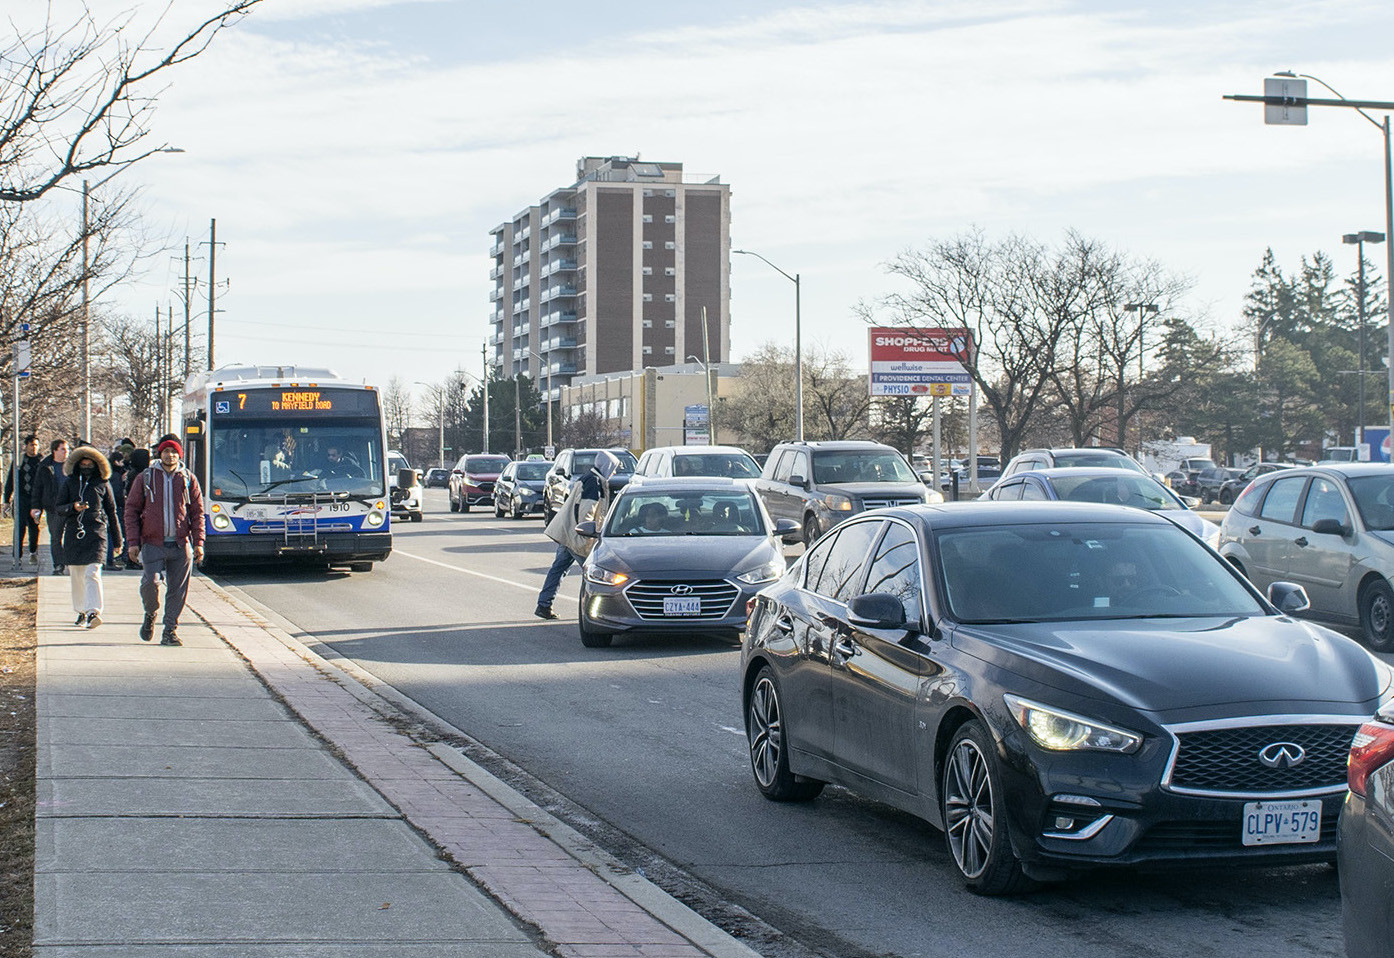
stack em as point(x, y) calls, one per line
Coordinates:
point(784, 624)
point(844, 647)
point(1300, 541)
point(1254, 530)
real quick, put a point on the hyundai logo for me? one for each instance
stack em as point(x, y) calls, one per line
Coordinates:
point(682, 588)
point(1282, 755)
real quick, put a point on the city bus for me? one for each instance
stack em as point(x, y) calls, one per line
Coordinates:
point(292, 462)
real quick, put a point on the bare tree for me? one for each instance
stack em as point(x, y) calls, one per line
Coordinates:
point(132, 351)
point(836, 401)
point(589, 428)
point(396, 410)
point(78, 97)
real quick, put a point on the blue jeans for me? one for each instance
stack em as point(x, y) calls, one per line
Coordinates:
point(564, 560)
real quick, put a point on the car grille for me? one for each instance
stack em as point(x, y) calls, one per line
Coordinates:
point(1173, 837)
point(647, 597)
point(1226, 760)
point(889, 502)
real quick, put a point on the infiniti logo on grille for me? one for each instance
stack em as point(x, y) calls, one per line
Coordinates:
point(1282, 755)
point(683, 588)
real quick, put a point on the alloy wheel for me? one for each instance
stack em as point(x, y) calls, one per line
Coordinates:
point(766, 731)
point(969, 808)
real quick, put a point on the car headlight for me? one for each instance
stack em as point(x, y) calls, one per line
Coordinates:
point(605, 576)
point(838, 503)
point(766, 573)
point(1062, 731)
point(527, 493)
point(932, 496)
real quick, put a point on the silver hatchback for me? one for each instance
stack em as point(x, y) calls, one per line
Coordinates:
point(1329, 529)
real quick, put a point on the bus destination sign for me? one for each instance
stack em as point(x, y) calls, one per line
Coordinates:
point(279, 401)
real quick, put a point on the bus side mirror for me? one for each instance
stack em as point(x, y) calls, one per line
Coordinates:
point(406, 478)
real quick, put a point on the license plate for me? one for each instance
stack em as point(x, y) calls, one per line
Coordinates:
point(683, 606)
point(1282, 823)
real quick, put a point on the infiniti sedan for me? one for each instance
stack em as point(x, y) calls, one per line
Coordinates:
point(678, 555)
point(1124, 487)
point(1057, 686)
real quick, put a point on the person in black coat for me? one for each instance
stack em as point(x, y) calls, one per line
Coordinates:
point(88, 508)
point(51, 481)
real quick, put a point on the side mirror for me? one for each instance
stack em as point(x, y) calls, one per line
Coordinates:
point(588, 530)
point(1330, 527)
point(1288, 597)
point(800, 481)
point(787, 529)
point(406, 478)
point(879, 610)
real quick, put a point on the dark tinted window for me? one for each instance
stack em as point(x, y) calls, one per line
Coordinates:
point(847, 560)
point(896, 569)
point(1280, 505)
point(1374, 497)
point(861, 466)
point(532, 470)
point(816, 559)
point(1033, 492)
point(731, 465)
point(485, 464)
point(799, 467)
point(1007, 491)
point(582, 461)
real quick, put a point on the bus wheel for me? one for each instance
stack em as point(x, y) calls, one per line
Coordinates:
point(360, 567)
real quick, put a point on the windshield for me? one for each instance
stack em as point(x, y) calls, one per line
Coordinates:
point(1094, 570)
point(861, 466)
point(1374, 497)
point(725, 513)
point(327, 455)
point(1134, 489)
point(1112, 461)
point(532, 470)
point(732, 465)
point(486, 464)
point(583, 461)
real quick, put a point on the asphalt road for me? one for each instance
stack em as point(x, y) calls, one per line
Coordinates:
point(646, 740)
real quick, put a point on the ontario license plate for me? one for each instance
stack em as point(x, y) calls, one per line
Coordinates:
point(683, 606)
point(1282, 823)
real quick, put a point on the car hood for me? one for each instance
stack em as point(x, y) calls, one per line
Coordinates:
point(1172, 665)
point(535, 485)
point(875, 489)
point(715, 557)
point(1385, 536)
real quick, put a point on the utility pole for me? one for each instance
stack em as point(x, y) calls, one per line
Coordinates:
point(517, 416)
point(484, 355)
point(212, 286)
point(187, 294)
point(159, 373)
point(707, 373)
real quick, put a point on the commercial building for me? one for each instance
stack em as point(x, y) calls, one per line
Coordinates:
point(650, 407)
point(612, 274)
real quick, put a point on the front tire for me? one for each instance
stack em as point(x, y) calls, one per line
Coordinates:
point(975, 826)
point(1226, 497)
point(769, 754)
point(454, 505)
point(417, 517)
point(589, 637)
point(464, 504)
point(516, 509)
point(811, 531)
point(498, 510)
point(1377, 616)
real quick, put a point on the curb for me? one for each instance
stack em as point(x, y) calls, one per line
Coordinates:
point(390, 703)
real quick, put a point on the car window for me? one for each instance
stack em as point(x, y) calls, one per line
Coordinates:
point(533, 471)
point(860, 465)
point(846, 562)
point(816, 558)
point(780, 472)
point(800, 465)
point(648, 512)
point(1324, 501)
point(895, 569)
point(731, 465)
point(1248, 501)
point(1374, 498)
point(1134, 489)
point(508, 471)
point(1280, 505)
point(1032, 492)
point(645, 467)
point(1007, 491)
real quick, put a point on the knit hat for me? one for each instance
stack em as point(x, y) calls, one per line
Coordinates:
point(169, 444)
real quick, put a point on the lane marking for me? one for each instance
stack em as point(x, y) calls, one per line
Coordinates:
point(492, 578)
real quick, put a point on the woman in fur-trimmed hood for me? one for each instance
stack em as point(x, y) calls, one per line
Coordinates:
point(88, 509)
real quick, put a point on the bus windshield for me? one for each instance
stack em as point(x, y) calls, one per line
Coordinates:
point(252, 459)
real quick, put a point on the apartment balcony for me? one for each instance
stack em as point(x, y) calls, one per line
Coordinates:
point(557, 266)
point(560, 342)
point(557, 292)
point(496, 271)
point(520, 259)
point(561, 239)
point(496, 249)
point(495, 295)
point(558, 316)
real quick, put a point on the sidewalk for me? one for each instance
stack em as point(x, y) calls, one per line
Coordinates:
point(241, 796)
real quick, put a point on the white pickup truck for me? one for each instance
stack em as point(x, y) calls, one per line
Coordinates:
point(406, 500)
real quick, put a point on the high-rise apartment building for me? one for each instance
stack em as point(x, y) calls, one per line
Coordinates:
point(612, 273)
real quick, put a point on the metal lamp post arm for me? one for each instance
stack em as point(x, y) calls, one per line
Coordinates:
point(798, 339)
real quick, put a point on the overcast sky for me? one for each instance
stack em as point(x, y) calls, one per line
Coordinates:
point(355, 153)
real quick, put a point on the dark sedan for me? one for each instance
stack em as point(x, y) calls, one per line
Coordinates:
point(678, 555)
point(1058, 686)
point(437, 478)
point(1366, 846)
point(518, 491)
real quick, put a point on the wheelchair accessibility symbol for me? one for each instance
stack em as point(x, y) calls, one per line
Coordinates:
point(222, 407)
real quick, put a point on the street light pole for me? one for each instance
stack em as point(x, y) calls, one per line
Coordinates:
point(798, 342)
point(1142, 309)
point(1359, 240)
point(87, 328)
point(1359, 106)
point(541, 363)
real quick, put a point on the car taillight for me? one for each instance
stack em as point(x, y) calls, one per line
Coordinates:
point(1372, 747)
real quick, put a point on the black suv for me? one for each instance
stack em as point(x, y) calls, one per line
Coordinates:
point(819, 484)
point(571, 463)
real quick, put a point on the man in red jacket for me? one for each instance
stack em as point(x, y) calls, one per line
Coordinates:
point(164, 517)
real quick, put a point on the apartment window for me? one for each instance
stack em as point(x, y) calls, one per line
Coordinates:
point(670, 218)
point(670, 323)
point(648, 244)
point(649, 193)
point(670, 297)
point(670, 193)
point(670, 271)
point(668, 350)
point(648, 217)
point(648, 297)
point(670, 245)
point(648, 350)
point(648, 270)
point(648, 324)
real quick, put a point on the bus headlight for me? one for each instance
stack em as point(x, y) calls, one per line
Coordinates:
point(222, 523)
point(374, 519)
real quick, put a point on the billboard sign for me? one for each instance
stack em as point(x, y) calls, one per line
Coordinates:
point(696, 426)
point(917, 361)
